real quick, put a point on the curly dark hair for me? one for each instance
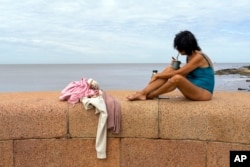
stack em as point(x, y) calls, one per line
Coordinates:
point(186, 41)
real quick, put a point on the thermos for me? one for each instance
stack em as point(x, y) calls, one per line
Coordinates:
point(154, 72)
point(175, 63)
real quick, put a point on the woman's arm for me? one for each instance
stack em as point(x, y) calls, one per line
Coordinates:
point(192, 64)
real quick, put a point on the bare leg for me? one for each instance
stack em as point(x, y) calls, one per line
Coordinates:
point(142, 95)
point(167, 87)
point(191, 91)
point(188, 89)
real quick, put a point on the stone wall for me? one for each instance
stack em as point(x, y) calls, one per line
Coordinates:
point(36, 129)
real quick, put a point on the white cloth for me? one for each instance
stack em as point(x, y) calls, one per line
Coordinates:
point(101, 135)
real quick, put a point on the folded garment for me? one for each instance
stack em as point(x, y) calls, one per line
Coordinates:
point(114, 113)
point(88, 92)
point(76, 90)
point(101, 134)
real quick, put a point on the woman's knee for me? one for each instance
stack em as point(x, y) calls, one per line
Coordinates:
point(176, 79)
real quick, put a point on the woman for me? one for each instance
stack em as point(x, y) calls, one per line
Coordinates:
point(195, 79)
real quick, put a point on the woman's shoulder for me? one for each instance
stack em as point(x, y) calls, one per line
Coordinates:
point(207, 58)
point(197, 57)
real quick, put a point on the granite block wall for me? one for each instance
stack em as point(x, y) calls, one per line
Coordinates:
point(36, 129)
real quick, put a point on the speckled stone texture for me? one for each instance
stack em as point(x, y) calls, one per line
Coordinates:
point(32, 115)
point(64, 153)
point(218, 153)
point(140, 119)
point(162, 153)
point(6, 153)
point(225, 118)
point(36, 129)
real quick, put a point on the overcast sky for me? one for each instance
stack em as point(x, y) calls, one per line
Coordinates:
point(120, 31)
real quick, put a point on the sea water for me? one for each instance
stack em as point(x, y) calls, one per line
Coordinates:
point(55, 77)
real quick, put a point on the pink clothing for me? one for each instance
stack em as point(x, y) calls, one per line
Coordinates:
point(77, 90)
point(87, 91)
point(114, 113)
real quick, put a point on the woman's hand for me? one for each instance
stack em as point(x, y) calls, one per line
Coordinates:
point(172, 61)
point(165, 74)
point(153, 78)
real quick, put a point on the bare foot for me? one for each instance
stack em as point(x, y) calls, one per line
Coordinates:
point(137, 96)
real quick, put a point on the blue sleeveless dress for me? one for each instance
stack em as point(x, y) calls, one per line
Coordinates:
point(203, 77)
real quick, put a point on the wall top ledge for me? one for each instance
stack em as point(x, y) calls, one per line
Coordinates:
point(41, 115)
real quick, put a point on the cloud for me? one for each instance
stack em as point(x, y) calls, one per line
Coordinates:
point(120, 31)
